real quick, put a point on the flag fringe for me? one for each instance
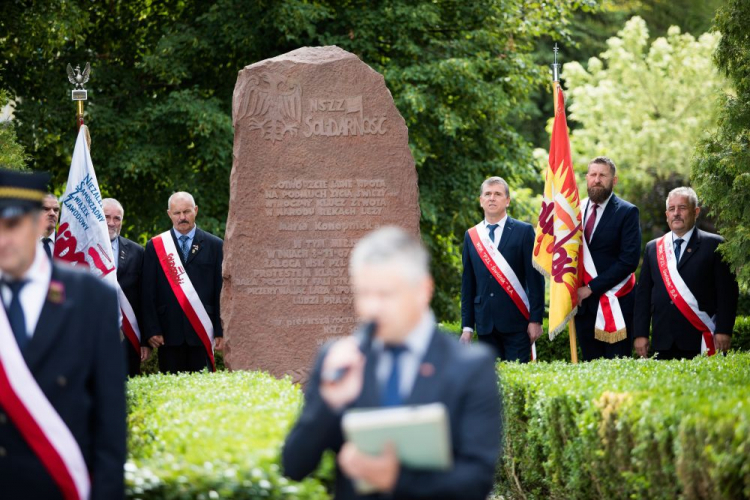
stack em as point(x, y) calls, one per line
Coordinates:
point(555, 332)
point(610, 337)
point(539, 268)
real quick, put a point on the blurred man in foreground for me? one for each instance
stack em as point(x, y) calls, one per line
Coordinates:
point(407, 361)
point(62, 390)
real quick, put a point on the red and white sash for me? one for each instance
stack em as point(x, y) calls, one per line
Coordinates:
point(183, 289)
point(610, 323)
point(129, 323)
point(37, 420)
point(681, 295)
point(501, 271)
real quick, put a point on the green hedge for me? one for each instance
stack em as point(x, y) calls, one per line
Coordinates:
point(627, 429)
point(218, 435)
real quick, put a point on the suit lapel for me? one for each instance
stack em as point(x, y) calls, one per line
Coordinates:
point(425, 389)
point(54, 314)
point(506, 234)
point(196, 246)
point(691, 249)
point(123, 258)
point(609, 211)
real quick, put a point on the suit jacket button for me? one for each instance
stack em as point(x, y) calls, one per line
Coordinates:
point(671, 303)
point(492, 295)
point(62, 381)
point(3, 452)
point(3, 419)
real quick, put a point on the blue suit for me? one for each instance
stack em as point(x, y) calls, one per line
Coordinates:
point(615, 248)
point(485, 304)
point(463, 379)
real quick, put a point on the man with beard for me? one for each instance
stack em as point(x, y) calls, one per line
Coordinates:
point(611, 249)
point(181, 290)
point(128, 257)
point(51, 215)
point(697, 312)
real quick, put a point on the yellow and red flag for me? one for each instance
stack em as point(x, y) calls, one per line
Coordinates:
point(558, 233)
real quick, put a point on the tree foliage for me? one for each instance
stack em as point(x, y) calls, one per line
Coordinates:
point(163, 74)
point(645, 104)
point(721, 171)
point(12, 154)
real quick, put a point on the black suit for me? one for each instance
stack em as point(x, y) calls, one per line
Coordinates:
point(706, 275)
point(485, 304)
point(464, 379)
point(129, 270)
point(615, 249)
point(162, 314)
point(76, 358)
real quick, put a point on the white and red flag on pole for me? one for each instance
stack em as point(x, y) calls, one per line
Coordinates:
point(83, 238)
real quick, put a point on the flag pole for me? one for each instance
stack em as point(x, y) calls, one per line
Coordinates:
point(571, 321)
point(79, 94)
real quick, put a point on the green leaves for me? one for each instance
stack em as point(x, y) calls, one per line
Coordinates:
point(212, 436)
point(628, 428)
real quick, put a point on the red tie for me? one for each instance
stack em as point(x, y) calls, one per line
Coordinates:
point(590, 224)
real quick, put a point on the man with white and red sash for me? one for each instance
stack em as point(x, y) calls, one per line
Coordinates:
point(502, 294)
point(128, 259)
point(181, 291)
point(611, 250)
point(685, 288)
point(62, 393)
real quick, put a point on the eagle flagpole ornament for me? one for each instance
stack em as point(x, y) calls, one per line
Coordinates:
point(79, 94)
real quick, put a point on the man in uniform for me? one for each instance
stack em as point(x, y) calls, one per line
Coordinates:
point(62, 393)
point(181, 291)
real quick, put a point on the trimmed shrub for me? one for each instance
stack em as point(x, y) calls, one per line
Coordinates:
point(213, 435)
point(627, 428)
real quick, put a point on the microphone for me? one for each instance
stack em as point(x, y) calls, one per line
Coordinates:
point(364, 335)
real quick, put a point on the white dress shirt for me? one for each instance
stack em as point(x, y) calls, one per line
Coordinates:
point(410, 360)
point(51, 244)
point(116, 251)
point(498, 230)
point(599, 212)
point(34, 293)
point(686, 239)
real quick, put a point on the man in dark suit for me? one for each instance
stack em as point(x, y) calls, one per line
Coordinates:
point(165, 324)
point(61, 383)
point(407, 360)
point(704, 273)
point(499, 320)
point(128, 257)
point(613, 232)
point(51, 215)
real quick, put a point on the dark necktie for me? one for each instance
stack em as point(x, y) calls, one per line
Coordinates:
point(47, 250)
point(590, 222)
point(492, 228)
point(392, 395)
point(678, 248)
point(15, 313)
point(184, 247)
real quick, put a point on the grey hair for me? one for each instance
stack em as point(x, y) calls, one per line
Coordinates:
point(51, 195)
point(684, 191)
point(112, 201)
point(603, 160)
point(180, 194)
point(391, 245)
point(495, 180)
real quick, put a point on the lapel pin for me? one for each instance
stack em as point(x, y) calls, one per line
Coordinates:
point(427, 369)
point(689, 250)
point(195, 249)
point(56, 292)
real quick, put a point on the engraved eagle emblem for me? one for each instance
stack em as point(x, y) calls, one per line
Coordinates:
point(76, 77)
point(272, 106)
